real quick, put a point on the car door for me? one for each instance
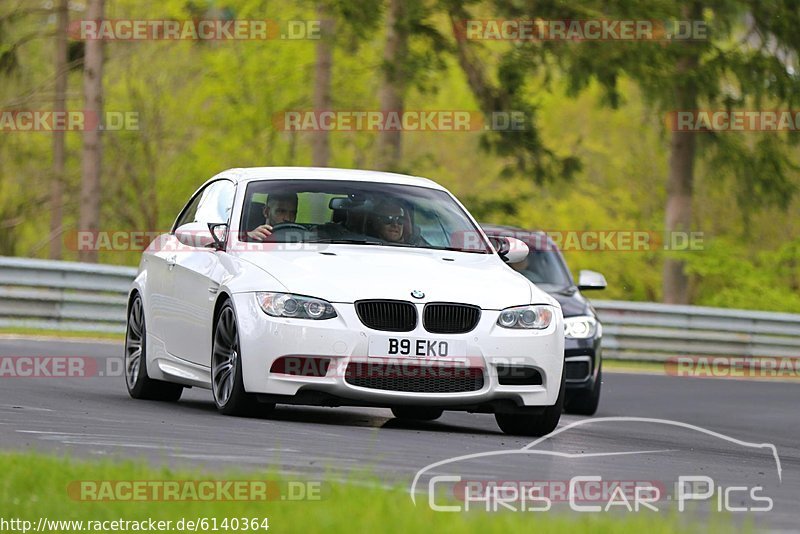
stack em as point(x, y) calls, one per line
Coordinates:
point(195, 277)
point(159, 261)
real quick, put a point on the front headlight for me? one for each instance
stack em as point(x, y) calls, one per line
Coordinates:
point(294, 306)
point(582, 327)
point(526, 317)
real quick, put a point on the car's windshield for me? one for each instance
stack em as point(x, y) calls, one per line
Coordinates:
point(544, 265)
point(361, 213)
point(545, 268)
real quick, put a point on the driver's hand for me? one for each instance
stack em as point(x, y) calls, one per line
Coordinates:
point(260, 233)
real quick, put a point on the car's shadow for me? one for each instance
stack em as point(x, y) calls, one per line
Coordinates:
point(346, 416)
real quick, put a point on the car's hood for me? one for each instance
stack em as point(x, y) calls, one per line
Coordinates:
point(346, 273)
point(572, 302)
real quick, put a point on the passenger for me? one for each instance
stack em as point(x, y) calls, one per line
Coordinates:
point(387, 221)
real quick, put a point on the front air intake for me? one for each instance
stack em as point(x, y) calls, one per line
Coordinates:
point(414, 378)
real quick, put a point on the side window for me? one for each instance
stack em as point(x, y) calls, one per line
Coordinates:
point(212, 205)
point(216, 203)
point(188, 213)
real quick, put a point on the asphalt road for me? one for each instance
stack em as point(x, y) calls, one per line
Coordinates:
point(712, 428)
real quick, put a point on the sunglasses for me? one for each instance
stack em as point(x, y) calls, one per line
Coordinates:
point(390, 219)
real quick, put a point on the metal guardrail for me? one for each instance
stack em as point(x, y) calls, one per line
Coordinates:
point(62, 295)
point(59, 295)
point(648, 331)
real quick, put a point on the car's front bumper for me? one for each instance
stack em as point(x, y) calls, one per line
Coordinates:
point(344, 340)
point(583, 358)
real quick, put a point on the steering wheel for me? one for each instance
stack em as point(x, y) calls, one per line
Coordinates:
point(288, 226)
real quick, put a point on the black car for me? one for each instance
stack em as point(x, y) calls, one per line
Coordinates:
point(545, 267)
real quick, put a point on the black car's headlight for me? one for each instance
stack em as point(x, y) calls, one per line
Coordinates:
point(582, 327)
point(295, 306)
point(534, 317)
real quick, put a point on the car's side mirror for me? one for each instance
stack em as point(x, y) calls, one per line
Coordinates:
point(511, 249)
point(202, 235)
point(591, 280)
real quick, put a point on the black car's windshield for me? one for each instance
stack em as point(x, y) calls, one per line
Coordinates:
point(544, 265)
point(545, 268)
point(359, 213)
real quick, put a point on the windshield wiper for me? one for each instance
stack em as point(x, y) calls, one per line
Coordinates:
point(459, 249)
point(353, 241)
point(340, 241)
point(347, 242)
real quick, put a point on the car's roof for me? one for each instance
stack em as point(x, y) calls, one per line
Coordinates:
point(241, 175)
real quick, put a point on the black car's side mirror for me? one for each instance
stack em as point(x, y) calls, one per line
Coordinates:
point(591, 280)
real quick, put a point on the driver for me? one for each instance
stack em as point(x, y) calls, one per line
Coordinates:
point(280, 208)
point(387, 221)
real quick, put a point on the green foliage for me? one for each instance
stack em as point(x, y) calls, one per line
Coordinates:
point(204, 107)
point(729, 275)
point(36, 486)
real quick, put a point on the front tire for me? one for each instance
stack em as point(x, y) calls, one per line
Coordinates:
point(585, 402)
point(417, 413)
point(139, 384)
point(539, 424)
point(227, 382)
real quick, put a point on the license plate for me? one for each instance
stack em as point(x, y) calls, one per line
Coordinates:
point(406, 347)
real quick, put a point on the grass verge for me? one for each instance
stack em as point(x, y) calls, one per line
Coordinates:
point(37, 486)
point(61, 334)
point(632, 366)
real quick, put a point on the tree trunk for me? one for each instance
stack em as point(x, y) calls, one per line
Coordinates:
point(92, 140)
point(490, 98)
point(393, 83)
point(59, 154)
point(678, 213)
point(320, 141)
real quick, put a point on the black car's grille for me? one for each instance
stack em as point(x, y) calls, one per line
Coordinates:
point(389, 315)
point(578, 369)
point(444, 318)
point(414, 378)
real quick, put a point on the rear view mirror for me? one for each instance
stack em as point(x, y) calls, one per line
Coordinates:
point(339, 203)
point(346, 203)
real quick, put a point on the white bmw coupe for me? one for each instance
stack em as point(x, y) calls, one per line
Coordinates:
point(335, 287)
